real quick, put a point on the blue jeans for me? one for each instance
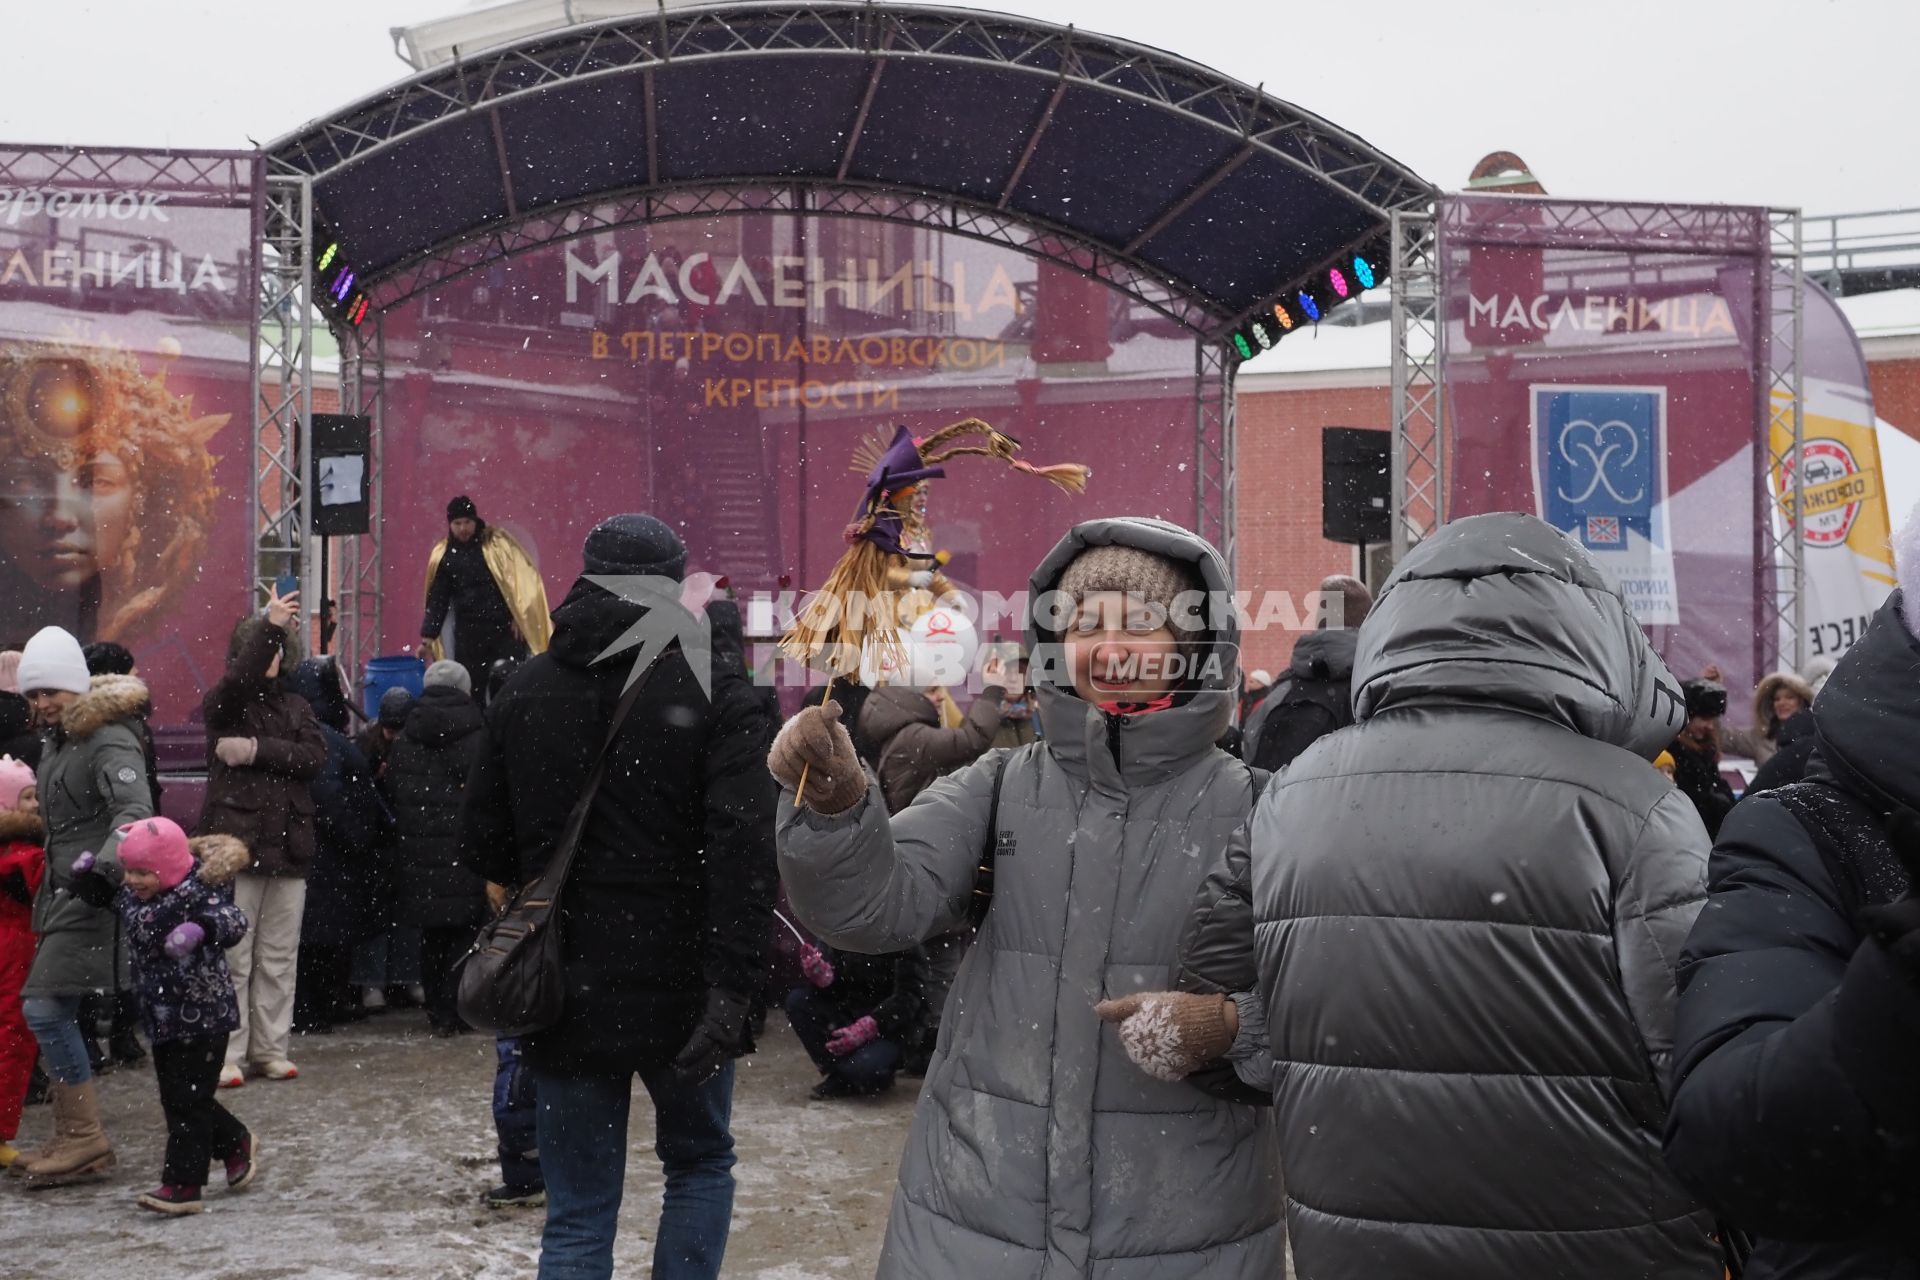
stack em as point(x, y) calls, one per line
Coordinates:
point(390, 959)
point(515, 1119)
point(868, 1069)
point(583, 1153)
point(55, 1023)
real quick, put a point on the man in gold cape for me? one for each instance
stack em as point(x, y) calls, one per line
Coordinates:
point(498, 603)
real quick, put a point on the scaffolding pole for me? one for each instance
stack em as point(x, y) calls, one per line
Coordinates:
point(1418, 334)
point(1782, 530)
point(283, 394)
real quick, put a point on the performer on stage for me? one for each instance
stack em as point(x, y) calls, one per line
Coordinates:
point(497, 601)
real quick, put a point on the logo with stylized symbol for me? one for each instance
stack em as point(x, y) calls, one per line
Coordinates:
point(1830, 485)
point(1597, 450)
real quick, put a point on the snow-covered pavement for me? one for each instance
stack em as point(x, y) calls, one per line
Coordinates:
point(373, 1163)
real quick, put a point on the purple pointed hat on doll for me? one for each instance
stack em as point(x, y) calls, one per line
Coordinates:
point(898, 466)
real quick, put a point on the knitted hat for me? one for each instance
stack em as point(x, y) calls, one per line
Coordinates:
point(10, 671)
point(462, 508)
point(636, 545)
point(53, 660)
point(394, 705)
point(1142, 575)
point(15, 777)
point(157, 845)
point(447, 672)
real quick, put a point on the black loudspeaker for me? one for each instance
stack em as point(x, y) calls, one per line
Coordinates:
point(342, 499)
point(1356, 485)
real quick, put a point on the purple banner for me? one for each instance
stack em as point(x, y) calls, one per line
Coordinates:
point(722, 373)
point(127, 289)
point(1601, 370)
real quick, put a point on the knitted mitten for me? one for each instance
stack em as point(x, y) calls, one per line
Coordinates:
point(1170, 1034)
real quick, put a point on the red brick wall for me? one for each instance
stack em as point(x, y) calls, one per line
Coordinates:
point(1896, 393)
point(1278, 492)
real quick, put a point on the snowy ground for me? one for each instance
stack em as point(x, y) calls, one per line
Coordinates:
point(373, 1163)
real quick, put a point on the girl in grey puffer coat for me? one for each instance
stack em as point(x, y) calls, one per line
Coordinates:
point(1465, 918)
point(1037, 1150)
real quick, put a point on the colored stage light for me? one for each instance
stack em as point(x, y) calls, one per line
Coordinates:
point(327, 258)
point(1338, 281)
point(1240, 345)
point(1363, 272)
point(1309, 306)
point(360, 312)
point(344, 283)
point(1285, 318)
point(1260, 336)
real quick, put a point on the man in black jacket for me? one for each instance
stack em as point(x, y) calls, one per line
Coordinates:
point(484, 629)
point(426, 779)
point(1796, 1109)
point(665, 913)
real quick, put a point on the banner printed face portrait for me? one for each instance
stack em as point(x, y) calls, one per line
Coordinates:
point(126, 321)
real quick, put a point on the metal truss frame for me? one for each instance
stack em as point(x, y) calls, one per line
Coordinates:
point(1419, 337)
point(858, 29)
point(282, 524)
point(1781, 544)
point(1215, 509)
point(181, 175)
point(357, 568)
point(1649, 227)
point(448, 262)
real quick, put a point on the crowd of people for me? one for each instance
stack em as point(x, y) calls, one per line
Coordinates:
point(1452, 951)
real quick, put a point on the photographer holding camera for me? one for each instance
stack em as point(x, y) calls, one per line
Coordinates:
point(1696, 753)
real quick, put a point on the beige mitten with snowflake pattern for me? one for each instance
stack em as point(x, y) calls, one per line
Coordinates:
point(1170, 1034)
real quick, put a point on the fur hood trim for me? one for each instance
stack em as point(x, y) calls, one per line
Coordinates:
point(221, 858)
point(16, 825)
point(110, 700)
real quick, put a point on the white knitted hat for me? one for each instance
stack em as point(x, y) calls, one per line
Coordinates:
point(53, 660)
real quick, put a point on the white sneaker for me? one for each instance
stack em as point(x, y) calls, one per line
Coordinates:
point(373, 1000)
point(232, 1078)
point(279, 1069)
point(418, 994)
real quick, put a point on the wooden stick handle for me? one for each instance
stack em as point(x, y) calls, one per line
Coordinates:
point(800, 790)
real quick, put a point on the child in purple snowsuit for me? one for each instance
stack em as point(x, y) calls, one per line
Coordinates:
point(179, 921)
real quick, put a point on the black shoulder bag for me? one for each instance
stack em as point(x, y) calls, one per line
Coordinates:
point(512, 981)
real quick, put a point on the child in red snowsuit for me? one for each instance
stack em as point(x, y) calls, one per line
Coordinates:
point(23, 861)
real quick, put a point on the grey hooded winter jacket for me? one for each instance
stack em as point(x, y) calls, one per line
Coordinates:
point(1038, 1150)
point(1468, 909)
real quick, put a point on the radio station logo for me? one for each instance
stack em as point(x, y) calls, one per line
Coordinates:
point(1829, 485)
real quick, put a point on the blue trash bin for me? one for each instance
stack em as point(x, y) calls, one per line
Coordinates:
point(403, 671)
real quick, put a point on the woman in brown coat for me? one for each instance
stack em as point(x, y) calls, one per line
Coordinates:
point(264, 748)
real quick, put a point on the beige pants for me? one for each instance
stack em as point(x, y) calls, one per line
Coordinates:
point(263, 966)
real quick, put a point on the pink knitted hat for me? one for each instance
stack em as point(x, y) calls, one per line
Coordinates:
point(157, 845)
point(15, 777)
point(10, 671)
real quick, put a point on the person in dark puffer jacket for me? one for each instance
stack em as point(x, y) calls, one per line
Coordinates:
point(1796, 1112)
point(427, 779)
point(1464, 913)
point(857, 1016)
point(179, 923)
point(1792, 754)
point(348, 816)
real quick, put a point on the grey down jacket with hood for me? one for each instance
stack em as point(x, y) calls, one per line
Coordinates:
point(1037, 1149)
point(1467, 913)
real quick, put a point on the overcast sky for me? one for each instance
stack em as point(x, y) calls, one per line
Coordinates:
point(1742, 101)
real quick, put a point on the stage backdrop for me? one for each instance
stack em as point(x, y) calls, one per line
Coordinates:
point(721, 374)
point(126, 318)
point(1602, 370)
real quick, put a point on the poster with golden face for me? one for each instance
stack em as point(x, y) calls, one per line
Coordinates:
point(126, 322)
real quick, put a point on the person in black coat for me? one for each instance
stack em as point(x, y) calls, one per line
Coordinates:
point(1796, 1108)
point(426, 778)
point(484, 629)
point(1789, 763)
point(665, 915)
point(1696, 753)
point(341, 880)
